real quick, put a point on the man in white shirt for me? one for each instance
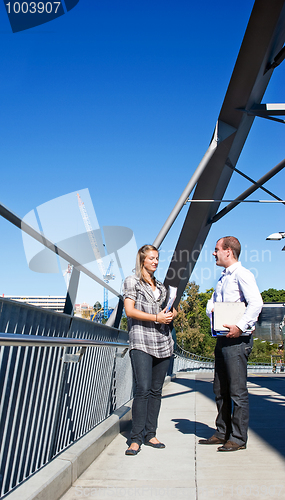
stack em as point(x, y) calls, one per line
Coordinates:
point(236, 284)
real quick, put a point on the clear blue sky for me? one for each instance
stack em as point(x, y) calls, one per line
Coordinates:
point(121, 97)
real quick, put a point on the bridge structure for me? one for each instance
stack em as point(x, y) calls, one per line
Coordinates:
point(66, 381)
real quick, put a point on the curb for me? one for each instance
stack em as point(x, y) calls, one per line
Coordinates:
point(55, 478)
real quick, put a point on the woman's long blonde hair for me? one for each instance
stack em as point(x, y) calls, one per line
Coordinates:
point(141, 255)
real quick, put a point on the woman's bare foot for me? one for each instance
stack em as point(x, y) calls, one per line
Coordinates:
point(134, 446)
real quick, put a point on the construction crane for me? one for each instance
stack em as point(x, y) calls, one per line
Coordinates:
point(67, 274)
point(107, 276)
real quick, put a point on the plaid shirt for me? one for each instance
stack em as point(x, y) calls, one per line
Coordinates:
point(148, 336)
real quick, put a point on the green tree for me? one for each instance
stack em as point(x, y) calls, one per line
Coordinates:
point(207, 346)
point(191, 324)
point(193, 329)
point(262, 351)
point(124, 323)
point(97, 306)
point(273, 295)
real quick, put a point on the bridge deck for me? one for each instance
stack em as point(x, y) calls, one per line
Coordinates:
point(185, 469)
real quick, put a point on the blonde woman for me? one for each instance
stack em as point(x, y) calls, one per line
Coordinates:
point(151, 346)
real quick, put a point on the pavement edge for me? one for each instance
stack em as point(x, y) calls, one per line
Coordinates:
point(55, 478)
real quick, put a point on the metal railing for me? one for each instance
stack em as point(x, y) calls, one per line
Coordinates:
point(60, 376)
point(13, 339)
point(254, 367)
point(48, 399)
point(188, 361)
point(189, 355)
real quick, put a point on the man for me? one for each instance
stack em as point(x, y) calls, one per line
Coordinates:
point(236, 284)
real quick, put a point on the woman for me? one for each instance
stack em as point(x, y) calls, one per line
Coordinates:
point(151, 346)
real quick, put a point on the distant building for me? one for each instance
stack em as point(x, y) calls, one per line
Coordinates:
point(271, 321)
point(51, 302)
point(82, 308)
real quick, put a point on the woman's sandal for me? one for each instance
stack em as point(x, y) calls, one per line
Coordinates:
point(130, 451)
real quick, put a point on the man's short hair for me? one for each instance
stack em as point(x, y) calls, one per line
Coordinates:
point(232, 243)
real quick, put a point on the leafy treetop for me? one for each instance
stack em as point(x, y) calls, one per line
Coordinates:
point(273, 295)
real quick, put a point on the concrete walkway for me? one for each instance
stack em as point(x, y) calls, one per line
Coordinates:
point(187, 470)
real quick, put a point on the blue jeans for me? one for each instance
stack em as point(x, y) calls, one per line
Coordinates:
point(230, 388)
point(149, 374)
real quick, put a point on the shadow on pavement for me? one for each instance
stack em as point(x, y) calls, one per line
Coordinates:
point(267, 411)
point(186, 426)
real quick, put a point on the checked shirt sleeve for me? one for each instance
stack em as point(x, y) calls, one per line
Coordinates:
point(129, 288)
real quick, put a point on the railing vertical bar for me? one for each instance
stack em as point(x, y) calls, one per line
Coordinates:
point(10, 424)
point(80, 395)
point(22, 391)
point(27, 410)
point(35, 401)
point(4, 415)
point(56, 373)
point(46, 403)
point(94, 360)
point(57, 418)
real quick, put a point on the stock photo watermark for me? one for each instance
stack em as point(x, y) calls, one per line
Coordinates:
point(243, 491)
point(24, 15)
point(206, 271)
point(206, 255)
point(216, 491)
point(113, 492)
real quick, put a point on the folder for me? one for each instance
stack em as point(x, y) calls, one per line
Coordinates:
point(228, 313)
point(170, 297)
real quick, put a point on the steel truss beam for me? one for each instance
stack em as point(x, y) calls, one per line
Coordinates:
point(18, 222)
point(261, 50)
point(268, 111)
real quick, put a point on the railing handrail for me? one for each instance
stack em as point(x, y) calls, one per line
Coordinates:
point(196, 357)
point(14, 339)
point(258, 364)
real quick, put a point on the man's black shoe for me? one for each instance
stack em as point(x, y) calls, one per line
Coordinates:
point(232, 446)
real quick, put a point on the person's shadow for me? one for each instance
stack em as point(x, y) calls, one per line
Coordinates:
point(266, 410)
point(199, 429)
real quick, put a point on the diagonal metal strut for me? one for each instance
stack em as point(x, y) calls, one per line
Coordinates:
point(248, 192)
point(228, 163)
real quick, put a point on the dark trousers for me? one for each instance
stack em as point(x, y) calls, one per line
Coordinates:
point(230, 388)
point(149, 374)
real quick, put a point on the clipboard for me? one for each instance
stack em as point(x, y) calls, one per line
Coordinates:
point(170, 297)
point(227, 313)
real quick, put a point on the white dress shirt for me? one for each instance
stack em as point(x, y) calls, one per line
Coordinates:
point(237, 284)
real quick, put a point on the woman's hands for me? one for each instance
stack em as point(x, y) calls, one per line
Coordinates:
point(164, 317)
point(161, 317)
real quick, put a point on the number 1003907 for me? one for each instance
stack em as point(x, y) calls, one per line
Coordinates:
point(32, 7)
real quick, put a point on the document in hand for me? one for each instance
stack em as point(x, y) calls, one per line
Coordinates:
point(228, 313)
point(171, 296)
